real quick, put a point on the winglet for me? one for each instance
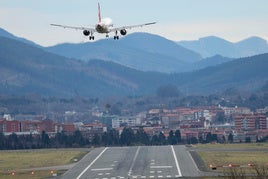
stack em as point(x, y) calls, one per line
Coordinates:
point(99, 12)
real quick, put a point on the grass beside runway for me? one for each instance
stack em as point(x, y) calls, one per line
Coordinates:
point(21, 162)
point(234, 159)
point(220, 158)
point(30, 175)
point(233, 146)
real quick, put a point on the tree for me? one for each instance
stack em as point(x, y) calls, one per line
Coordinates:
point(127, 137)
point(248, 139)
point(178, 136)
point(105, 139)
point(113, 137)
point(61, 139)
point(223, 139)
point(209, 137)
point(171, 138)
point(79, 139)
point(142, 137)
point(2, 141)
point(155, 140)
point(201, 139)
point(230, 138)
point(45, 141)
point(162, 139)
point(13, 141)
point(96, 139)
point(192, 140)
point(214, 138)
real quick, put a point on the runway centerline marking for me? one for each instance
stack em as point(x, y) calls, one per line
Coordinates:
point(176, 161)
point(82, 173)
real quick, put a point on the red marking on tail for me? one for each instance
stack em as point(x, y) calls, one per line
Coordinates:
point(99, 12)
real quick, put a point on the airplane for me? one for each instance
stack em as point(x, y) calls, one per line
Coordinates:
point(104, 26)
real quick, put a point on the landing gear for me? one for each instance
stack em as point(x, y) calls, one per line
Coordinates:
point(91, 37)
point(116, 37)
point(107, 35)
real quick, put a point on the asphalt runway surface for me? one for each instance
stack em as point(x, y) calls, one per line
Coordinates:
point(135, 162)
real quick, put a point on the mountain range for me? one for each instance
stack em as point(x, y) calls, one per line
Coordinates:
point(139, 51)
point(211, 46)
point(29, 68)
point(136, 50)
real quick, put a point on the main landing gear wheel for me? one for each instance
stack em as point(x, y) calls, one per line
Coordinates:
point(91, 38)
point(116, 37)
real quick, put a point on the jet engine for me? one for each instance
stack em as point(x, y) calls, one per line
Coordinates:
point(123, 32)
point(86, 32)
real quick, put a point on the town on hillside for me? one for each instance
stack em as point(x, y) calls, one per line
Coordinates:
point(217, 124)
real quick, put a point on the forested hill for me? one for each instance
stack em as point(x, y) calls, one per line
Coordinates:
point(28, 69)
point(246, 74)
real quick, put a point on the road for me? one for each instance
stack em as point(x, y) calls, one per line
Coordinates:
point(135, 162)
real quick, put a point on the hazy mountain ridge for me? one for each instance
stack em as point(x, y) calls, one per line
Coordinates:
point(246, 74)
point(148, 52)
point(26, 69)
point(210, 46)
point(4, 33)
point(210, 61)
point(141, 51)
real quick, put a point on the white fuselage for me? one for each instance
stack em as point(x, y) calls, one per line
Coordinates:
point(104, 25)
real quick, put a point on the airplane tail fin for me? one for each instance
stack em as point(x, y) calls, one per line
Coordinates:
point(99, 12)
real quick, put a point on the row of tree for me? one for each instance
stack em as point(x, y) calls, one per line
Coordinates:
point(32, 141)
point(110, 138)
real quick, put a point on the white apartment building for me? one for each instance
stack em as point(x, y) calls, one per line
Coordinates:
point(125, 121)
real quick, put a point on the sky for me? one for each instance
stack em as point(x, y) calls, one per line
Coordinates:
point(177, 20)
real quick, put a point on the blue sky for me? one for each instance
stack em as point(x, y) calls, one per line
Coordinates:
point(232, 20)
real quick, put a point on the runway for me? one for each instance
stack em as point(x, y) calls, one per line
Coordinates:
point(135, 163)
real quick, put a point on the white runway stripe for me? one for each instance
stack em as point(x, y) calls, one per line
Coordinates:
point(176, 161)
point(82, 173)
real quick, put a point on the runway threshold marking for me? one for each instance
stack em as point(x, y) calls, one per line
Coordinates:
point(176, 161)
point(101, 169)
point(82, 173)
point(161, 167)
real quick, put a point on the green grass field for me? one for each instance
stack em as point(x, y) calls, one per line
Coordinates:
point(21, 162)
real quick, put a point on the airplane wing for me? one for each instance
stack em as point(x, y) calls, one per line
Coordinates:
point(130, 26)
point(76, 28)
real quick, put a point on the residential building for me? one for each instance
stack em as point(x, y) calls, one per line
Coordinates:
point(9, 126)
point(230, 111)
point(125, 121)
point(90, 130)
point(253, 121)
